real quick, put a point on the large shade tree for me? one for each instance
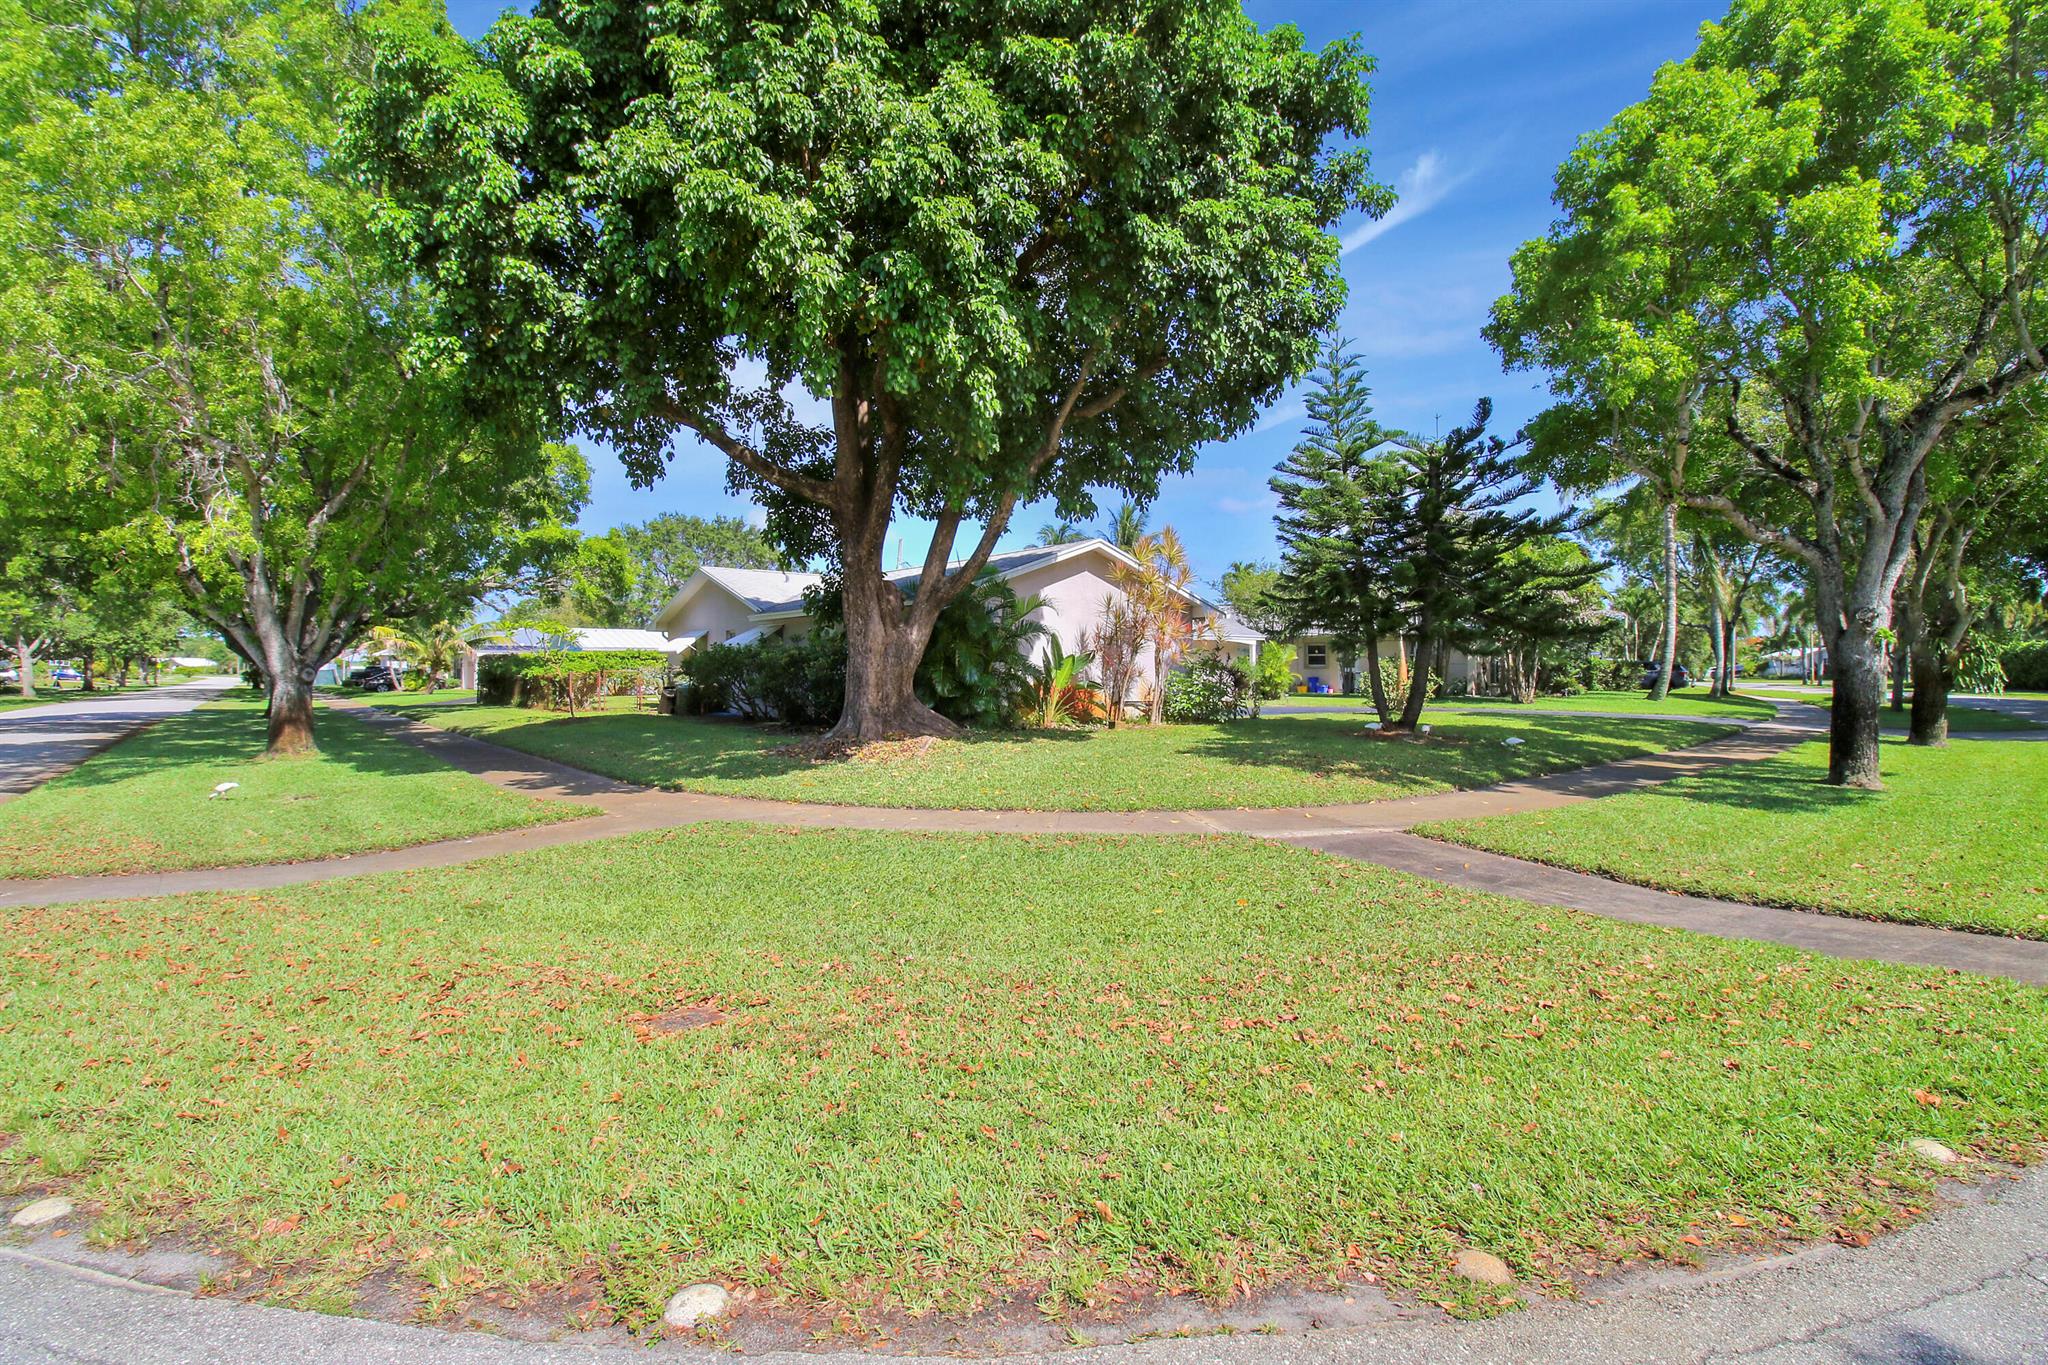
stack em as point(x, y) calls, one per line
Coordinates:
point(192, 292)
point(1836, 213)
point(1019, 252)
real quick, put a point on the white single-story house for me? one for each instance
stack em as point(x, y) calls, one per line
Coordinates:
point(1074, 582)
point(526, 640)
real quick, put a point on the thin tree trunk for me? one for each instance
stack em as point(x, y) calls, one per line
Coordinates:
point(25, 664)
point(1902, 659)
point(1401, 664)
point(1418, 681)
point(1378, 687)
point(1719, 684)
point(1667, 649)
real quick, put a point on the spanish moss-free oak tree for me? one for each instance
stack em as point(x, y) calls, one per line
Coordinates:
point(1018, 251)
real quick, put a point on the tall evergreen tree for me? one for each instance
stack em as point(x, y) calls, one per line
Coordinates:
point(1459, 553)
point(1339, 507)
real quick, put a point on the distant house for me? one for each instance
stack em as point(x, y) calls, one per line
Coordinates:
point(1074, 582)
point(526, 641)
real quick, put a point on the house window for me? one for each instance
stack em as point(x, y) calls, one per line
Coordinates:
point(1315, 656)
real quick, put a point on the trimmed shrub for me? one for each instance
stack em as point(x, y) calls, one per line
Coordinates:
point(1208, 688)
point(801, 681)
point(566, 679)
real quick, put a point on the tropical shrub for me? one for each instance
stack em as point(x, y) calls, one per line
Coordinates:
point(1208, 688)
point(975, 669)
point(564, 680)
point(1117, 641)
point(1273, 671)
point(1059, 691)
point(2026, 665)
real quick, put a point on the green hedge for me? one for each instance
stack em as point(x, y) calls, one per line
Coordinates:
point(557, 678)
point(2026, 665)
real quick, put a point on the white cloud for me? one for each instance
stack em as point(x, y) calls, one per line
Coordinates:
point(1419, 189)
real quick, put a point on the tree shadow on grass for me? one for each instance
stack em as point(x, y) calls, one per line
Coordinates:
point(213, 738)
point(657, 750)
point(1460, 757)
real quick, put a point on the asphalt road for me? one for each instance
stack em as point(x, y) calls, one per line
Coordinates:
point(38, 742)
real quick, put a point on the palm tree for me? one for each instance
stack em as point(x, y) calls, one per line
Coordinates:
point(1126, 526)
point(438, 648)
point(1060, 530)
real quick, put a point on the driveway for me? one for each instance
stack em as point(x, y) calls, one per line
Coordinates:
point(38, 742)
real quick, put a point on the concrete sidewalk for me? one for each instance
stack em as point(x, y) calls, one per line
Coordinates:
point(1370, 832)
point(39, 742)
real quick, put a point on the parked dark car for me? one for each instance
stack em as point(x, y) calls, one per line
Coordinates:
point(375, 678)
point(1680, 677)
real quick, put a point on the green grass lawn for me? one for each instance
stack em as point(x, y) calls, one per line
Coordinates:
point(1282, 761)
point(1694, 702)
point(145, 804)
point(1954, 839)
point(936, 1071)
point(14, 701)
point(1962, 718)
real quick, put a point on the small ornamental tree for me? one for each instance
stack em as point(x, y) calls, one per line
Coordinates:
point(1019, 252)
point(192, 292)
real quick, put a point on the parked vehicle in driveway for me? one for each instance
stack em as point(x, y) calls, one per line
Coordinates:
point(1680, 676)
point(374, 678)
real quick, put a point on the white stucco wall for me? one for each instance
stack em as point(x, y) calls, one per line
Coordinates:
point(712, 612)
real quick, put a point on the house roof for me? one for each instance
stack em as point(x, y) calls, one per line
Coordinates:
point(588, 638)
point(763, 589)
point(771, 593)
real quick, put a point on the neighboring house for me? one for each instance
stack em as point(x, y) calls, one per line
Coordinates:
point(1073, 581)
point(527, 641)
point(1320, 667)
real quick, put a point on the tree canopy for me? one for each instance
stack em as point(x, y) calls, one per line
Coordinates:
point(1821, 238)
point(193, 294)
point(1022, 253)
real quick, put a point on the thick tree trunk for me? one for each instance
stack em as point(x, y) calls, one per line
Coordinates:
point(1853, 736)
point(25, 664)
point(290, 714)
point(88, 682)
point(1667, 649)
point(1931, 683)
point(883, 649)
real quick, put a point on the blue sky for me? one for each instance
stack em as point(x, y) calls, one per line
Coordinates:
point(1474, 105)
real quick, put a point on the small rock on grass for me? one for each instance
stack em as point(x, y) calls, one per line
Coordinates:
point(41, 1212)
point(694, 1305)
point(1927, 1149)
point(1483, 1266)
